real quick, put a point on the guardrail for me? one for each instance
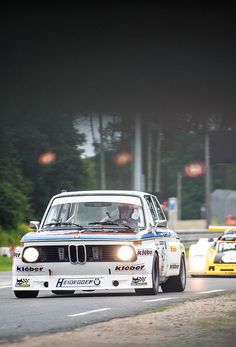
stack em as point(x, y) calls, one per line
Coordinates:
point(190, 236)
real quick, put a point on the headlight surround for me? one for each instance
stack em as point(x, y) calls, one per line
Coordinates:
point(126, 253)
point(30, 255)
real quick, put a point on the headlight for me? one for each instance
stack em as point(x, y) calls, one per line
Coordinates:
point(30, 254)
point(126, 253)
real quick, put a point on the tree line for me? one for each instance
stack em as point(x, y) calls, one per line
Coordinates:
point(41, 156)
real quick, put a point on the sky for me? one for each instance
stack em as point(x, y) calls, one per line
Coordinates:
point(159, 60)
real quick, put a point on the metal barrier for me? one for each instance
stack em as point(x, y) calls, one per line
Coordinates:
point(190, 236)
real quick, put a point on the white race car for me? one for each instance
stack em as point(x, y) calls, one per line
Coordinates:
point(96, 240)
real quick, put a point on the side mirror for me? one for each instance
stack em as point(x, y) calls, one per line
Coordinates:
point(161, 223)
point(34, 224)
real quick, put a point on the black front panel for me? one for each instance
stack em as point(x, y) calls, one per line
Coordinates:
point(78, 253)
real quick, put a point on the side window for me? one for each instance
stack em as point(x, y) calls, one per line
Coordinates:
point(160, 213)
point(151, 207)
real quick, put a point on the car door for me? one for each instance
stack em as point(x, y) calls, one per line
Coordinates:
point(160, 236)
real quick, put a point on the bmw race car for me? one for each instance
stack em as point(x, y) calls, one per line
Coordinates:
point(214, 256)
point(96, 240)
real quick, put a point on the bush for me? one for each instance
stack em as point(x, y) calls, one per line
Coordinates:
point(12, 237)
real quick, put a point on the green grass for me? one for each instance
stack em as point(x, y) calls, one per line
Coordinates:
point(5, 263)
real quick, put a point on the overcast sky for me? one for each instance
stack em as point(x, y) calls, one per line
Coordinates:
point(129, 57)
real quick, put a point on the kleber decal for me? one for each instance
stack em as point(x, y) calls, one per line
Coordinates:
point(80, 282)
point(138, 281)
point(144, 252)
point(28, 269)
point(129, 267)
point(16, 255)
point(174, 266)
point(23, 282)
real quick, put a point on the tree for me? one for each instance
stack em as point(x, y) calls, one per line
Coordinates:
point(14, 188)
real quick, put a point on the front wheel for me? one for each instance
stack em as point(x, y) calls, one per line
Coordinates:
point(26, 293)
point(176, 283)
point(155, 279)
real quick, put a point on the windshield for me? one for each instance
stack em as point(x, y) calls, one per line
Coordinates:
point(90, 211)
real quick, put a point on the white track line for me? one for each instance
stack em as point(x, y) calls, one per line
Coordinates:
point(88, 312)
point(212, 291)
point(5, 286)
point(160, 299)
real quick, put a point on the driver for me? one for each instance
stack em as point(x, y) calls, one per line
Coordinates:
point(125, 213)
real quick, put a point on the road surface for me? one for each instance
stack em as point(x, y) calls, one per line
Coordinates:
point(49, 313)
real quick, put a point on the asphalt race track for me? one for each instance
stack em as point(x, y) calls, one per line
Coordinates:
point(49, 313)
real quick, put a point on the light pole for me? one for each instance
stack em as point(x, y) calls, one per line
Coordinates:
point(207, 180)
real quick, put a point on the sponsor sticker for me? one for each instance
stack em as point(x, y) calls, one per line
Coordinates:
point(16, 255)
point(173, 247)
point(144, 252)
point(22, 282)
point(223, 246)
point(130, 267)
point(28, 269)
point(174, 266)
point(229, 257)
point(139, 281)
point(78, 282)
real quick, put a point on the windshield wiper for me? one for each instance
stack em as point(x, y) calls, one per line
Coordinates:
point(103, 223)
point(64, 223)
point(111, 223)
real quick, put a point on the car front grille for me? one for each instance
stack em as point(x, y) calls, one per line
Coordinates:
point(78, 253)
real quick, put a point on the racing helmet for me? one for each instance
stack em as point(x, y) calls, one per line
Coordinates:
point(229, 235)
point(126, 207)
point(229, 232)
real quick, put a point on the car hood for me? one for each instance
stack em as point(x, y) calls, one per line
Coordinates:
point(88, 235)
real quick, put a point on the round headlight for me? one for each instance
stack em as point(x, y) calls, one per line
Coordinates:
point(125, 253)
point(31, 254)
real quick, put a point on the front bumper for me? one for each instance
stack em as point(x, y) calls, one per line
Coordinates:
point(76, 282)
point(216, 270)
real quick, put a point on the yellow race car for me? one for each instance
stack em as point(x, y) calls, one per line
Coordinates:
point(216, 256)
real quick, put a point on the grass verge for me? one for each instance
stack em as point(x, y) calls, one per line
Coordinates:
point(5, 263)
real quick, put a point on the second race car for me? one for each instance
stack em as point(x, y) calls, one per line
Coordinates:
point(214, 256)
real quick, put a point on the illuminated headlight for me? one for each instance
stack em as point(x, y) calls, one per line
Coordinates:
point(30, 254)
point(126, 253)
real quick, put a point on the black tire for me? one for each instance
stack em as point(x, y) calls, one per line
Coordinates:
point(26, 293)
point(63, 292)
point(176, 283)
point(155, 279)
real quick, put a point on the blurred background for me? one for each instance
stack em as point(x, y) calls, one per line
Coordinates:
point(118, 96)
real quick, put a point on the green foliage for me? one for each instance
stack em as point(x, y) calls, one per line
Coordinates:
point(14, 206)
point(26, 185)
point(14, 188)
point(12, 237)
point(5, 263)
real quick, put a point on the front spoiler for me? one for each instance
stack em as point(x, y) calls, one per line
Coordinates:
point(216, 270)
point(97, 282)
